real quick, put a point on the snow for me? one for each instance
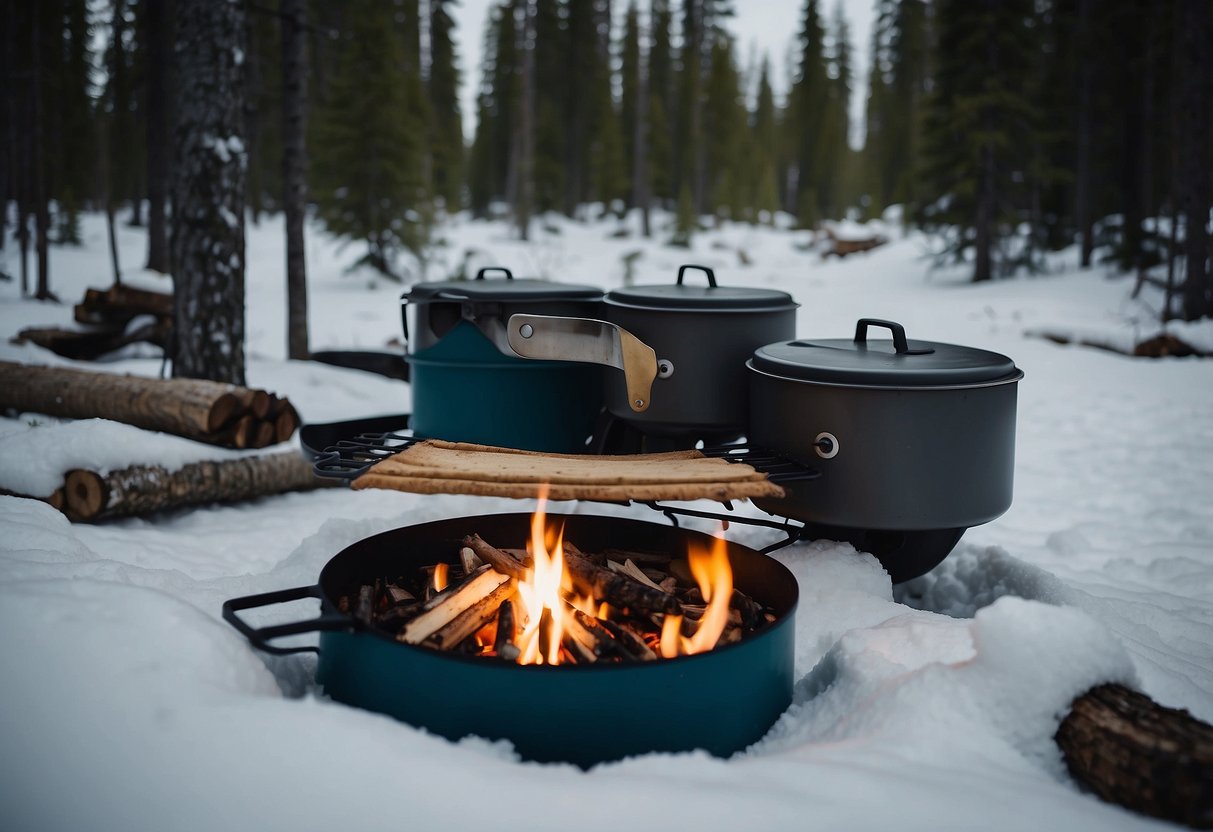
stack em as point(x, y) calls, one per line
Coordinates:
point(128, 704)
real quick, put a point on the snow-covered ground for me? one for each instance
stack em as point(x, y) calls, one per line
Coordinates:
point(126, 704)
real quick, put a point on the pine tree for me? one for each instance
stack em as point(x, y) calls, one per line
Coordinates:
point(724, 121)
point(661, 90)
point(979, 129)
point(482, 158)
point(807, 102)
point(630, 78)
point(551, 84)
point(446, 128)
point(764, 191)
point(369, 169)
point(70, 105)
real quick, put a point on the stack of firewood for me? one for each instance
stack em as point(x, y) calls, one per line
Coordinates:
point(208, 411)
point(470, 606)
point(107, 314)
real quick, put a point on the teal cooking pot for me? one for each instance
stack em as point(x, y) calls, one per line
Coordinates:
point(721, 701)
point(465, 389)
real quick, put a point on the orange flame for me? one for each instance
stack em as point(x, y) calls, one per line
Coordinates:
point(541, 592)
point(441, 576)
point(712, 572)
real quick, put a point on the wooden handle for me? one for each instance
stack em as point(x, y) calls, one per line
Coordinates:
point(639, 369)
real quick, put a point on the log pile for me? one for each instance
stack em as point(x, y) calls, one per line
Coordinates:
point(107, 314)
point(471, 605)
point(208, 411)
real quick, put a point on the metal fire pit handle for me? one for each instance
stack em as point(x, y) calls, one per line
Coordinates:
point(260, 637)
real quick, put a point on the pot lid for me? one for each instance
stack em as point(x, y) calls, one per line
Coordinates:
point(507, 289)
point(710, 297)
point(897, 363)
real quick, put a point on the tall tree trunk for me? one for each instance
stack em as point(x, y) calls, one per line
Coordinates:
point(208, 191)
point(158, 29)
point(1082, 184)
point(523, 142)
point(1194, 141)
point(640, 173)
point(294, 166)
point(41, 210)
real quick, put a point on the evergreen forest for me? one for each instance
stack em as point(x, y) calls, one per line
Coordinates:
point(1008, 128)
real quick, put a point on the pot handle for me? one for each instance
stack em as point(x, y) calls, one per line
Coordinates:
point(900, 344)
point(706, 270)
point(260, 637)
point(508, 274)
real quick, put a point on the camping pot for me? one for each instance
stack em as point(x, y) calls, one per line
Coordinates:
point(701, 336)
point(913, 437)
point(466, 389)
point(722, 700)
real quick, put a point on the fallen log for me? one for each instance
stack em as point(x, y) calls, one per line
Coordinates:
point(207, 411)
point(142, 489)
point(90, 345)
point(1135, 753)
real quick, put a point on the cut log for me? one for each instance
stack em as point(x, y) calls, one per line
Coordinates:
point(142, 489)
point(450, 605)
point(618, 590)
point(1135, 753)
point(468, 560)
point(192, 408)
point(501, 562)
point(143, 301)
point(473, 618)
point(503, 644)
point(90, 345)
point(285, 423)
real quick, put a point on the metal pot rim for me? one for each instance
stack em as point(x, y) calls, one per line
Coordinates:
point(1014, 378)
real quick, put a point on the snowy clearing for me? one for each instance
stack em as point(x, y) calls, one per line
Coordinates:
point(129, 705)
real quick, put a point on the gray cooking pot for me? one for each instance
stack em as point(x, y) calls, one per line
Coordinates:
point(701, 336)
point(908, 436)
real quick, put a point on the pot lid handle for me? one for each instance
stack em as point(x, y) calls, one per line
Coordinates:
point(900, 344)
point(711, 275)
point(508, 274)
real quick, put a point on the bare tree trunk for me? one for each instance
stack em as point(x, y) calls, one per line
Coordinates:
point(294, 167)
point(1194, 142)
point(41, 209)
point(158, 20)
point(640, 174)
point(208, 191)
point(524, 136)
point(1082, 185)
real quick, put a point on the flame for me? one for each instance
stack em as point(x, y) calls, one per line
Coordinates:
point(712, 572)
point(441, 576)
point(542, 603)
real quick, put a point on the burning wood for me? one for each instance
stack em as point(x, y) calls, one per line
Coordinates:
point(551, 603)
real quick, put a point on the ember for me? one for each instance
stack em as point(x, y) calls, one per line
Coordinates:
point(551, 603)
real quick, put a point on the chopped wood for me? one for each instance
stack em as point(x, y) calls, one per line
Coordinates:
point(502, 562)
point(366, 604)
point(89, 345)
point(197, 409)
point(447, 606)
point(661, 559)
point(633, 571)
point(285, 423)
point(503, 643)
point(473, 618)
point(616, 589)
point(629, 640)
point(142, 489)
point(1132, 751)
point(468, 560)
point(399, 594)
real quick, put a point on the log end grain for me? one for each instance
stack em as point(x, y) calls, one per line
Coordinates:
point(83, 494)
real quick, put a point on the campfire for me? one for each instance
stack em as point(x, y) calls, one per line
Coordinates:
point(554, 601)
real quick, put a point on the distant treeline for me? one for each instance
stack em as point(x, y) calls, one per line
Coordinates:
point(1008, 127)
